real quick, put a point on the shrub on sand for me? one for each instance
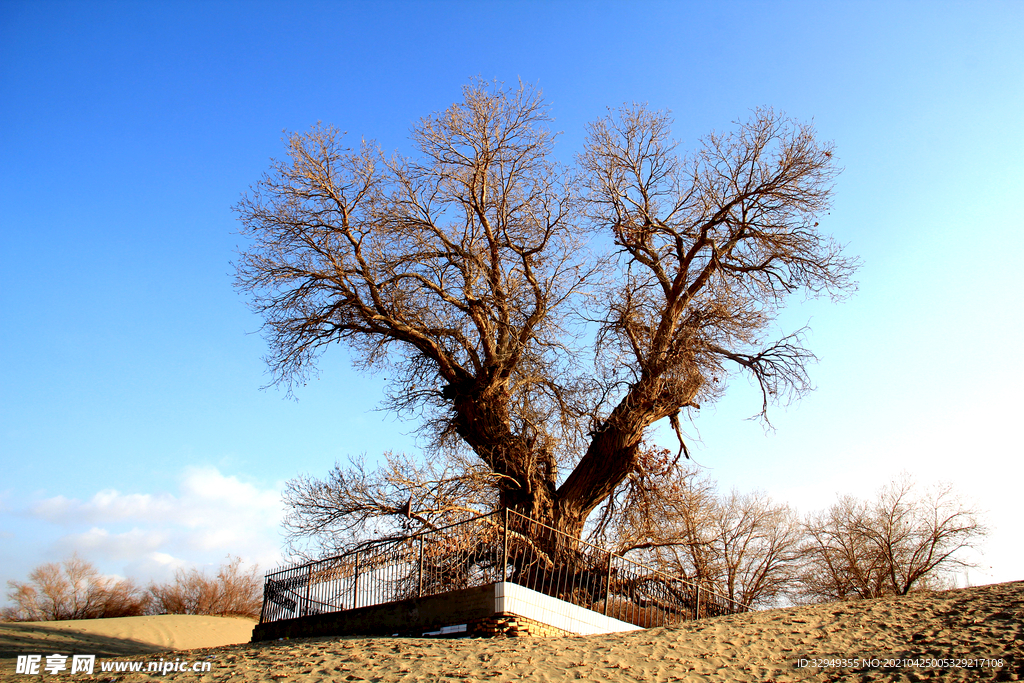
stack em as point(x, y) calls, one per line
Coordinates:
point(233, 591)
point(73, 589)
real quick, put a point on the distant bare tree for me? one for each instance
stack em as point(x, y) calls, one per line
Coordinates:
point(839, 563)
point(474, 272)
point(73, 589)
point(758, 543)
point(890, 546)
point(233, 592)
point(742, 546)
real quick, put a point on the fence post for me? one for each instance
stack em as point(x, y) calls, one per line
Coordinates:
point(266, 593)
point(696, 603)
point(355, 585)
point(309, 583)
point(608, 583)
point(504, 549)
point(419, 592)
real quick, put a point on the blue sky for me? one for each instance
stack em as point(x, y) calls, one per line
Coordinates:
point(132, 425)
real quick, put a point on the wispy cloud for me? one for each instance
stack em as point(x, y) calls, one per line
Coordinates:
point(106, 506)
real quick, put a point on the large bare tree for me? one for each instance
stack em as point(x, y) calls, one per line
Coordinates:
point(537, 316)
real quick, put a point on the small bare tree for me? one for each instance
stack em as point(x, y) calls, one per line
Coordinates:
point(73, 589)
point(889, 546)
point(663, 515)
point(837, 562)
point(474, 271)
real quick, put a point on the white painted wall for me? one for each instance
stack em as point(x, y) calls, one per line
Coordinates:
point(513, 598)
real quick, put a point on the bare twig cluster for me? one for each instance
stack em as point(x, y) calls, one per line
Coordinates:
point(354, 505)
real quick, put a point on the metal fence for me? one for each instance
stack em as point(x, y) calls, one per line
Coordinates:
point(501, 546)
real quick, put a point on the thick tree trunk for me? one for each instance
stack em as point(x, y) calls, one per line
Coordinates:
point(526, 473)
point(612, 453)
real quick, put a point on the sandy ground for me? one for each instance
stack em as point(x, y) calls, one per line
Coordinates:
point(967, 628)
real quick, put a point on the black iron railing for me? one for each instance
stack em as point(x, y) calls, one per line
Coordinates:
point(501, 546)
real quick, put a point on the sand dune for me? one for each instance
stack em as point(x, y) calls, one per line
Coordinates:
point(981, 626)
point(123, 636)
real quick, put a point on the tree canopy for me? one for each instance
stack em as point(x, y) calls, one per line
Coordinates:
point(534, 318)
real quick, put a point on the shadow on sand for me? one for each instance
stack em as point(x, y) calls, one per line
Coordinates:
point(22, 639)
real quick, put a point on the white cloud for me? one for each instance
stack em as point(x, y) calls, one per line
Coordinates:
point(211, 515)
point(108, 505)
point(97, 541)
point(158, 567)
